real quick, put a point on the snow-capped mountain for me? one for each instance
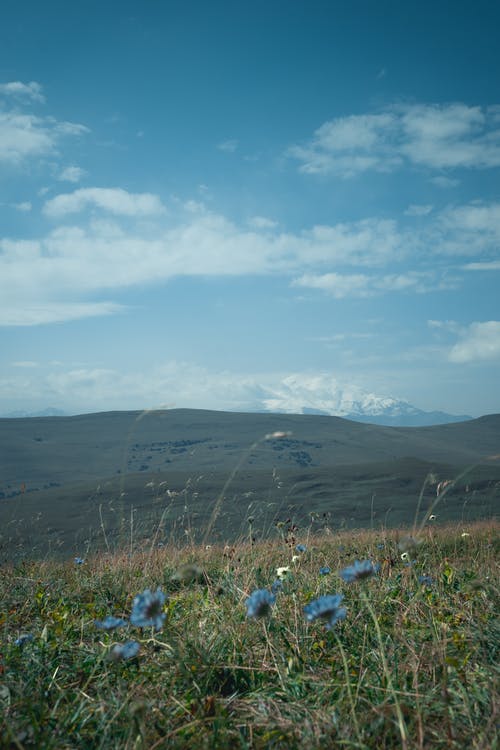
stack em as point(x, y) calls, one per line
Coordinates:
point(322, 394)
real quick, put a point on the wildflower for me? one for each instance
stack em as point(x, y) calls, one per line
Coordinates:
point(147, 609)
point(259, 603)
point(127, 650)
point(405, 556)
point(110, 623)
point(326, 608)
point(25, 638)
point(281, 572)
point(358, 571)
point(380, 545)
point(432, 517)
point(464, 535)
point(295, 558)
point(276, 586)
point(425, 580)
point(79, 560)
point(324, 571)
point(301, 547)
point(277, 435)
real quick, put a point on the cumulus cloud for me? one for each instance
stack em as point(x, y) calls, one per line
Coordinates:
point(479, 342)
point(471, 229)
point(114, 200)
point(443, 136)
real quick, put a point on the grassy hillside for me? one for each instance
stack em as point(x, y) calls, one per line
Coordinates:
point(410, 661)
point(73, 484)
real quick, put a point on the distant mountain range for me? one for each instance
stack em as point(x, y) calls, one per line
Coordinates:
point(49, 412)
point(324, 395)
point(321, 395)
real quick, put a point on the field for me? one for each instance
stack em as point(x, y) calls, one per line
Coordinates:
point(169, 523)
point(414, 664)
point(78, 485)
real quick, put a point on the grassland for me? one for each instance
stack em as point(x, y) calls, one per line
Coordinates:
point(413, 665)
point(78, 485)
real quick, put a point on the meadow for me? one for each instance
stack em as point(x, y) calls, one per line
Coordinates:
point(408, 658)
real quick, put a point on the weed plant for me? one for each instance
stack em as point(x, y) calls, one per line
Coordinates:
point(410, 659)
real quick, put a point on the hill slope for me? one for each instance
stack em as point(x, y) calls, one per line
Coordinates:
point(62, 478)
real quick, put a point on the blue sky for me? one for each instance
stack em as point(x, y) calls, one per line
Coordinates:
point(218, 204)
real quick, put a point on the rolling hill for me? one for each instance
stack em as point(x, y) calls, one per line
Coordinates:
point(64, 479)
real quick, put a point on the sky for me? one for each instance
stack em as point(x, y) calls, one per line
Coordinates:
point(203, 204)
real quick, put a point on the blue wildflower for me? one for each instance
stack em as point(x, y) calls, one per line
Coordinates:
point(325, 570)
point(79, 560)
point(147, 609)
point(127, 650)
point(425, 580)
point(301, 547)
point(276, 586)
point(326, 608)
point(358, 571)
point(259, 603)
point(380, 545)
point(26, 638)
point(110, 623)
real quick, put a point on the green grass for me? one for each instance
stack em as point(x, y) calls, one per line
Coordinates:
point(412, 665)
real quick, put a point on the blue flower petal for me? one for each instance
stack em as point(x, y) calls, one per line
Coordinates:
point(358, 571)
point(147, 609)
point(259, 603)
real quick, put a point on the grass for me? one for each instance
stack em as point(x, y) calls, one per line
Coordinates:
point(413, 665)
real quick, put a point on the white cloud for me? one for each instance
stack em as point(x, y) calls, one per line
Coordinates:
point(114, 200)
point(471, 229)
point(364, 285)
point(336, 284)
point(492, 265)
point(416, 209)
point(446, 325)
point(54, 312)
point(228, 146)
point(180, 384)
point(437, 136)
point(71, 174)
point(261, 222)
point(137, 242)
point(479, 341)
point(31, 364)
point(25, 206)
point(17, 89)
point(24, 136)
point(444, 182)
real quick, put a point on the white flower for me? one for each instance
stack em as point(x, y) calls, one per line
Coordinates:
point(281, 572)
